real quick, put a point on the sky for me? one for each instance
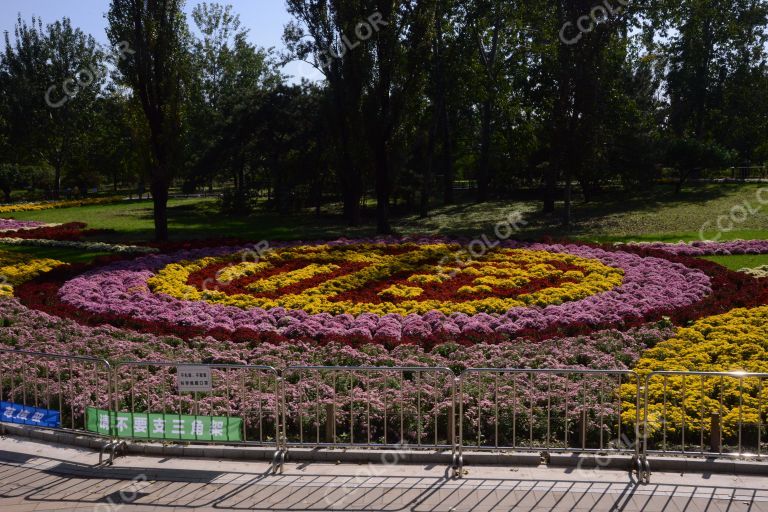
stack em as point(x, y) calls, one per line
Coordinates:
point(264, 18)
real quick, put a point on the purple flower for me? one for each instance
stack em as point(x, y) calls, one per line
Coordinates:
point(15, 225)
point(650, 285)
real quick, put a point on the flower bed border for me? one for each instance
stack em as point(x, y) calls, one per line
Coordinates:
point(730, 290)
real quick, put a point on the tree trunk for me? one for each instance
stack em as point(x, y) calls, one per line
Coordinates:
point(160, 199)
point(351, 192)
point(382, 190)
point(567, 215)
point(447, 161)
point(351, 180)
point(550, 185)
point(319, 194)
point(442, 121)
point(488, 59)
point(57, 181)
point(588, 189)
point(241, 176)
point(559, 145)
point(426, 180)
point(7, 194)
point(483, 175)
point(343, 95)
point(679, 185)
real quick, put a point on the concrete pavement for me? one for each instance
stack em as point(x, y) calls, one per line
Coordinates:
point(42, 476)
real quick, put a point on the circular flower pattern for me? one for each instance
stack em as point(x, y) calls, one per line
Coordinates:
point(383, 279)
point(424, 302)
point(388, 291)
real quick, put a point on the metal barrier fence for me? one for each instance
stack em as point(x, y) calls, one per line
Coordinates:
point(547, 410)
point(402, 408)
point(705, 413)
point(233, 404)
point(52, 391)
point(370, 407)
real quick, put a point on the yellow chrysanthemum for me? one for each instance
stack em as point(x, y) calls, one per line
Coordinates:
point(500, 269)
point(736, 341)
point(16, 269)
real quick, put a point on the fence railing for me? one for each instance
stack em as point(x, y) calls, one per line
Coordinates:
point(243, 392)
point(370, 407)
point(705, 413)
point(598, 412)
point(547, 410)
point(52, 391)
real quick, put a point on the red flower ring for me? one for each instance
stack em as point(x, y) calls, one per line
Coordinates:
point(653, 287)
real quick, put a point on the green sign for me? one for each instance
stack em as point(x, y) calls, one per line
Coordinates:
point(164, 426)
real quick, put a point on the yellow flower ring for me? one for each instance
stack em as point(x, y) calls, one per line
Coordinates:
point(18, 268)
point(400, 279)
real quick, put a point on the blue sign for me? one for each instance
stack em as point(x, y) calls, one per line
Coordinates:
point(27, 415)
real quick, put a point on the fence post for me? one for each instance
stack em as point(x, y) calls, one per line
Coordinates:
point(112, 384)
point(452, 417)
point(715, 437)
point(330, 422)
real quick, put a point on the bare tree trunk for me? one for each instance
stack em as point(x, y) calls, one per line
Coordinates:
point(382, 190)
point(550, 186)
point(559, 144)
point(160, 199)
point(447, 160)
point(382, 133)
point(57, 181)
point(426, 180)
point(567, 214)
point(241, 176)
point(351, 179)
point(351, 190)
point(483, 176)
point(442, 121)
point(488, 60)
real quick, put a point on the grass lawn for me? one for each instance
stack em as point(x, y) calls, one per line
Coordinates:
point(663, 216)
point(740, 261)
point(657, 215)
point(62, 254)
point(193, 219)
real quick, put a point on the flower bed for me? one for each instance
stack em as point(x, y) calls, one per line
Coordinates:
point(382, 280)
point(734, 341)
point(29, 207)
point(706, 248)
point(37, 331)
point(121, 294)
point(73, 231)
point(757, 272)
point(9, 225)
point(85, 246)
point(18, 268)
point(412, 302)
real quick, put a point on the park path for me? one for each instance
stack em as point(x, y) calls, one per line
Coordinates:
point(42, 476)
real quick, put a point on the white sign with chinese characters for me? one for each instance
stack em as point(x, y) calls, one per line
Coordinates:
point(194, 378)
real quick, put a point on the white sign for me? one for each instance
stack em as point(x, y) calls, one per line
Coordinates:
point(194, 378)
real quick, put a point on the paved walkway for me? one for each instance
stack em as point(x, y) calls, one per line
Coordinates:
point(37, 476)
